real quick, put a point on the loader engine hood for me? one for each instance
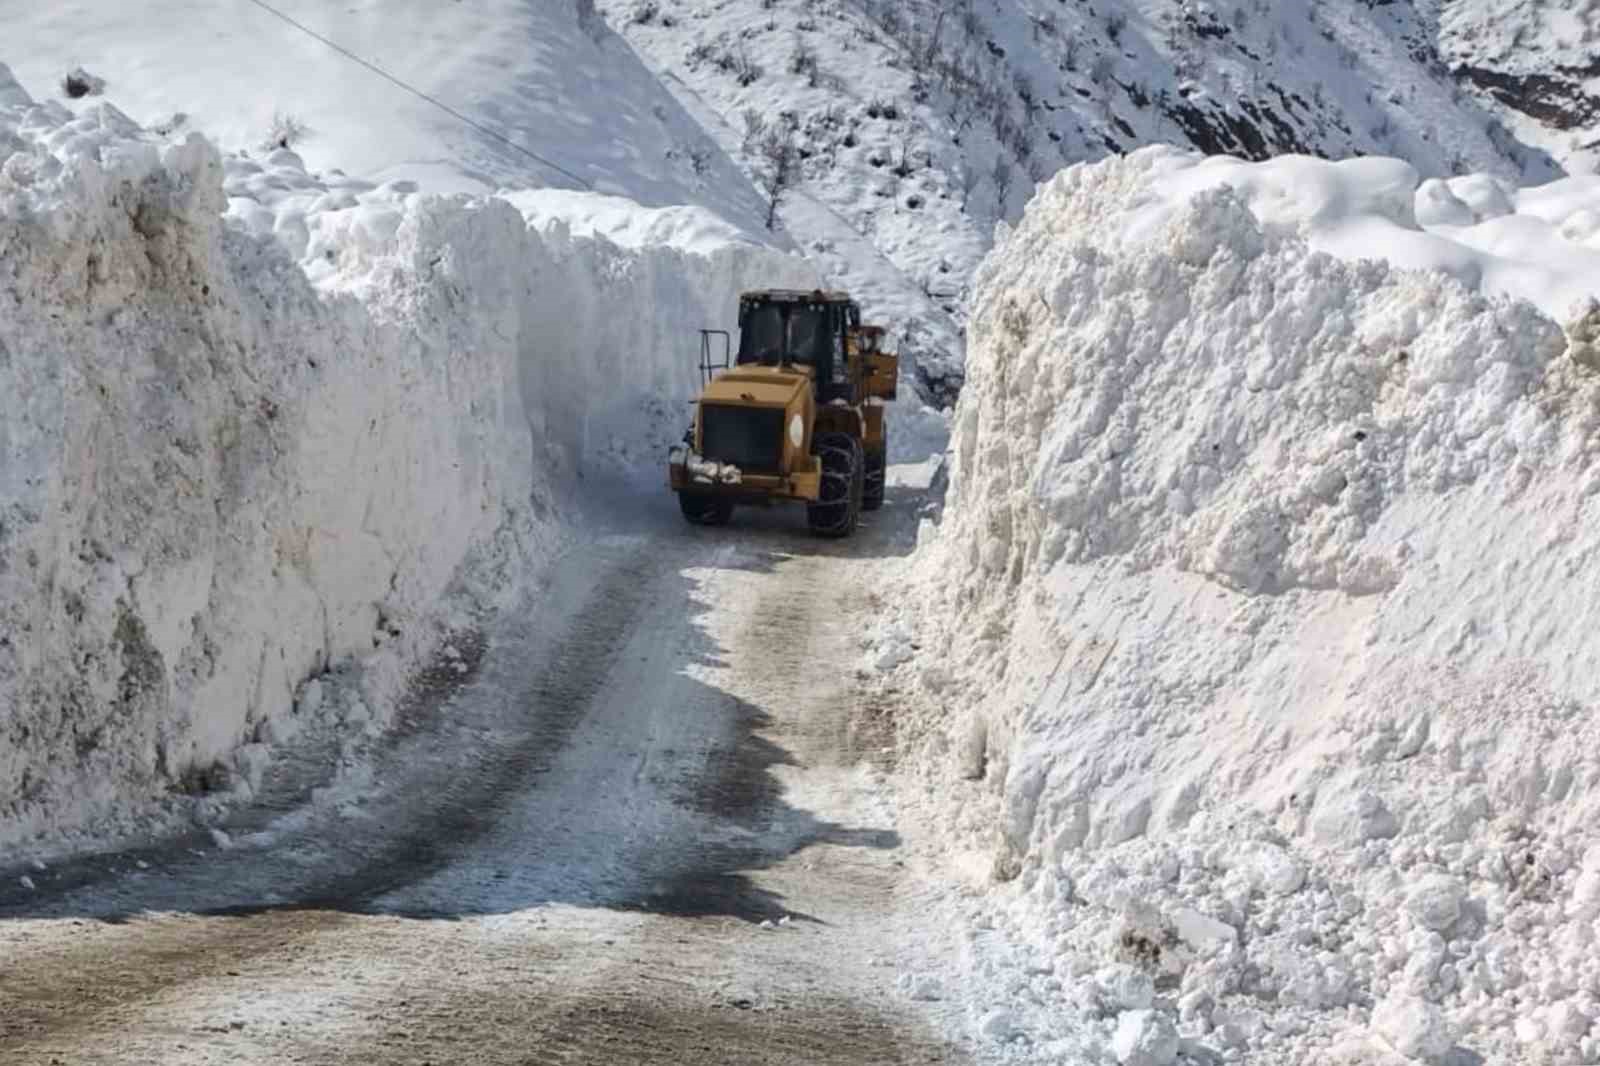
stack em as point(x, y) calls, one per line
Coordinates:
point(757, 419)
point(758, 387)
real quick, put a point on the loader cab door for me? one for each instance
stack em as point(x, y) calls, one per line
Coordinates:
point(836, 382)
point(763, 334)
point(808, 337)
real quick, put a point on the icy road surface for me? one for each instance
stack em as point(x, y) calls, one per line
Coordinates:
point(647, 820)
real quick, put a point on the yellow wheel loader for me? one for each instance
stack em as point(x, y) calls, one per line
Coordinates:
point(796, 414)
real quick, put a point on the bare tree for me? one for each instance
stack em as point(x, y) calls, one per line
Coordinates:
point(755, 126)
point(933, 38)
point(286, 132)
point(904, 169)
point(779, 163)
point(970, 177)
point(589, 19)
point(1003, 176)
point(700, 154)
point(804, 61)
point(1025, 92)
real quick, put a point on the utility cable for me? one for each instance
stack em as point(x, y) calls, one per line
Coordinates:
point(446, 108)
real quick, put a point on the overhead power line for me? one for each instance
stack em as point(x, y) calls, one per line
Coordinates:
point(442, 106)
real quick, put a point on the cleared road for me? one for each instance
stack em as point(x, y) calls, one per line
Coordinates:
point(650, 822)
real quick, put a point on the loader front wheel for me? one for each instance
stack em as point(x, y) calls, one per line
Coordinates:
point(704, 509)
point(838, 505)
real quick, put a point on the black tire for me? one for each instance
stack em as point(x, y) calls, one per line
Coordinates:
point(703, 509)
point(877, 468)
point(838, 505)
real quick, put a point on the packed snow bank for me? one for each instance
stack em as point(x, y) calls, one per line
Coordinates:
point(1263, 607)
point(1541, 244)
point(624, 222)
point(218, 482)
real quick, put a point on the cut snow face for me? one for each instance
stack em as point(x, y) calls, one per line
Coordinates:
point(1263, 610)
point(234, 505)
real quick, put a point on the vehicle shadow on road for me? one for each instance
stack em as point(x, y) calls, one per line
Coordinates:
point(890, 532)
point(500, 792)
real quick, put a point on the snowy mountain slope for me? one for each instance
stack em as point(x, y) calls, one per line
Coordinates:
point(870, 207)
point(1537, 62)
point(535, 73)
point(921, 123)
point(1259, 617)
point(1245, 78)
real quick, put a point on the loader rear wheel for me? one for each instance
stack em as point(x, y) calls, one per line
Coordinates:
point(703, 509)
point(838, 504)
point(877, 467)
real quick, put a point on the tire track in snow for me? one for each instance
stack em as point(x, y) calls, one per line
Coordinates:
point(466, 807)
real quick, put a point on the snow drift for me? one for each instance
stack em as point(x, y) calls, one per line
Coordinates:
point(218, 481)
point(1263, 605)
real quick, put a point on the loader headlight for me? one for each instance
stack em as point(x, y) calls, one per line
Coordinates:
point(797, 431)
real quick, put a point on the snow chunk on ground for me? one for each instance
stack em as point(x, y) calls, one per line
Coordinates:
point(1124, 987)
point(1145, 1038)
point(998, 1026)
point(1413, 1028)
point(1435, 901)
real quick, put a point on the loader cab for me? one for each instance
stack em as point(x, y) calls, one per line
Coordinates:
point(801, 329)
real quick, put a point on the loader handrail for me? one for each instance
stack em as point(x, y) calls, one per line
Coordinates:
point(707, 367)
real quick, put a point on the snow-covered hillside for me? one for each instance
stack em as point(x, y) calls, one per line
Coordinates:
point(219, 481)
point(1262, 613)
point(921, 123)
point(1537, 62)
point(544, 77)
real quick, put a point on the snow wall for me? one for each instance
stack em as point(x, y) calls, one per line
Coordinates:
point(1263, 611)
point(218, 481)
